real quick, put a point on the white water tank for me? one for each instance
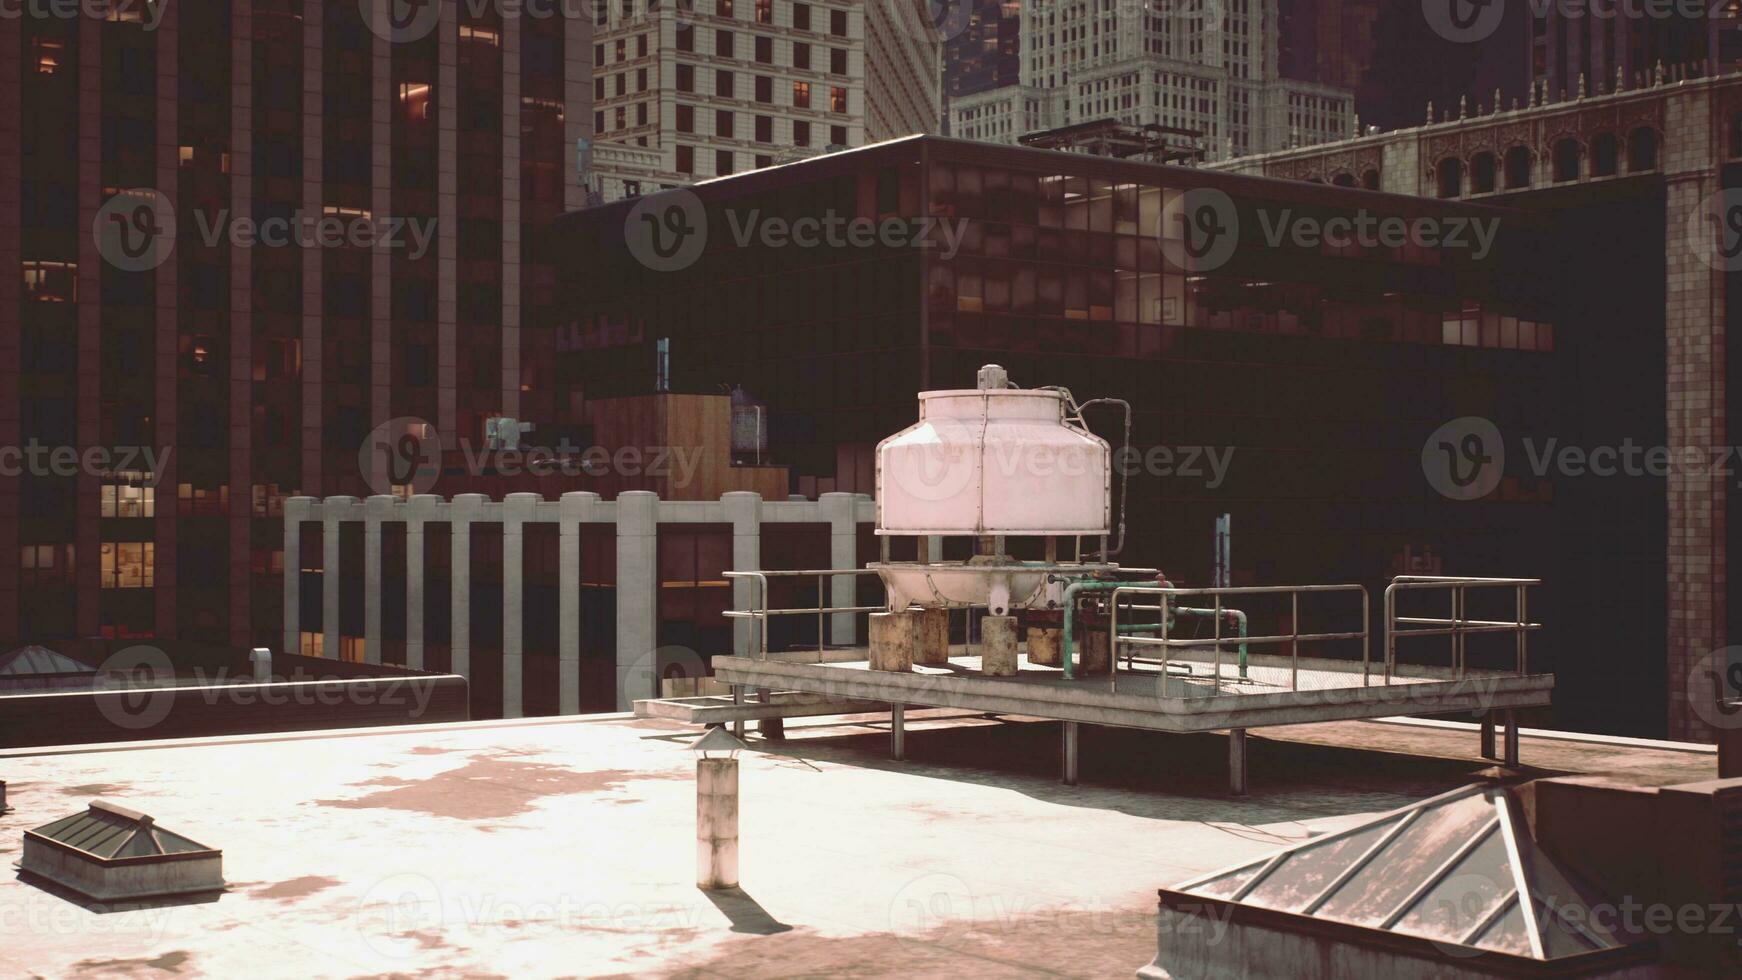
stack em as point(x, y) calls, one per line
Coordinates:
point(994, 460)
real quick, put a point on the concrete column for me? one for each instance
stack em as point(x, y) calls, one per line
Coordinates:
point(898, 732)
point(1046, 646)
point(1488, 735)
point(378, 508)
point(716, 821)
point(418, 512)
point(998, 646)
point(892, 636)
point(931, 643)
point(577, 507)
point(517, 509)
point(1511, 751)
point(839, 510)
point(463, 512)
point(637, 596)
point(295, 512)
point(744, 509)
point(332, 509)
point(1070, 749)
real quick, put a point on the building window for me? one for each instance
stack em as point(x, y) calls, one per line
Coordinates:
point(722, 162)
point(622, 49)
point(46, 564)
point(764, 129)
point(837, 99)
point(686, 78)
point(723, 85)
point(838, 23)
point(686, 37)
point(686, 159)
point(622, 80)
point(764, 50)
point(723, 124)
point(801, 54)
point(641, 46)
point(129, 564)
point(722, 8)
point(51, 282)
point(801, 133)
point(622, 117)
point(723, 44)
point(598, 54)
point(764, 89)
point(764, 11)
point(838, 135)
point(838, 60)
point(599, 87)
point(801, 16)
point(640, 79)
point(599, 121)
point(640, 113)
point(764, 160)
point(801, 94)
point(128, 494)
point(686, 118)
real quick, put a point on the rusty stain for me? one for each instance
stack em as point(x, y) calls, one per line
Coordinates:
point(295, 888)
point(171, 962)
point(486, 788)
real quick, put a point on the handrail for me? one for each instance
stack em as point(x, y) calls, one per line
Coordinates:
point(1458, 626)
point(822, 611)
point(1292, 638)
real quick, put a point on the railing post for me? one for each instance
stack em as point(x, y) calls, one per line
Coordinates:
point(1217, 689)
point(1294, 641)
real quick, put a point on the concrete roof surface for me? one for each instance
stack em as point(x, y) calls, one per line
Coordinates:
point(564, 848)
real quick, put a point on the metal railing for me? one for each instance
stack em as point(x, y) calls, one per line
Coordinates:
point(1458, 626)
point(1294, 638)
point(760, 613)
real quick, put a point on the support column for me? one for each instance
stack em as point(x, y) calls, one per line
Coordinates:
point(420, 511)
point(332, 509)
point(898, 732)
point(577, 507)
point(744, 509)
point(295, 512)
point(377, 508)
point(517, 509)
point(1511, 757)
point(1237, 761)
point(1070, 748)
point(637, 597)
point(839, 510)
point(1488, 735)
point(998, 646)
point(462, 514)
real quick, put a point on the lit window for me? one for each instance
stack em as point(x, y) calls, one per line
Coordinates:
point(51, 282)
point(129, 564)
point(129, 494)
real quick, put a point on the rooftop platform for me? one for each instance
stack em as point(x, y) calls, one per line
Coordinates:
point(555, 847)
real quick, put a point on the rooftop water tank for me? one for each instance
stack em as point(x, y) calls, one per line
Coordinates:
point(994, 460)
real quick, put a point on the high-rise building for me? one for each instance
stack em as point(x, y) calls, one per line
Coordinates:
point(1570, 44)
point(235, 238)
point(1202, 65)
point(693, 89)
point(986, 53)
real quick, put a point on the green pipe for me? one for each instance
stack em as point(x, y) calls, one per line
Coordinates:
point(1071, 592)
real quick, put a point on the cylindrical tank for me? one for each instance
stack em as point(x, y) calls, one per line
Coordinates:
point(994, 460)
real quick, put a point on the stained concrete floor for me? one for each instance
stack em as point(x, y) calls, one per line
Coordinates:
point(543, 848)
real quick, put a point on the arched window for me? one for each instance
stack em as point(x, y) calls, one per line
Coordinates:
point(1451, 171)
point(1517, 168)
point(1605, 155)
point(1566, 160)
point(1482, 173)
point(1344, 180)
point(1370, 180)
point(1642, 150)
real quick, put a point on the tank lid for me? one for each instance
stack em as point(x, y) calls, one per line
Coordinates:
point(993, 377)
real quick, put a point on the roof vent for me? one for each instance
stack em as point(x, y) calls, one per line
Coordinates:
point(109, 853)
